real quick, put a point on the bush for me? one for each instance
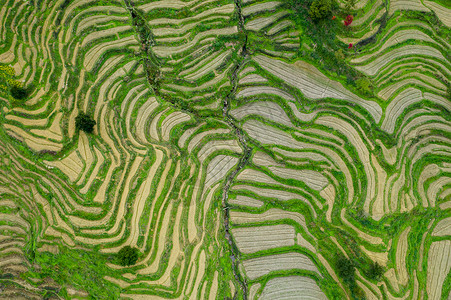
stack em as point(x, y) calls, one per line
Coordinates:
point(364, 86)
point(345, 269)
point(375, 271)
point(348, 21)
point(349, 5)
point(127, 256)
point(19, 93)
point(85, 122)
point(320, 9)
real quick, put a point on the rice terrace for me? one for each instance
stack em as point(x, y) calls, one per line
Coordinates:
point(225, 149)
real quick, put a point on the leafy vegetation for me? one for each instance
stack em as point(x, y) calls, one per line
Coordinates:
point(127, 256)
point(375, 271)
point(19, 92)
point(345, 269)
point(85, 122)
point(349, 5)
point(364, 86)
point(320, 9)
point(320, 45)
point(214, 108)
point(82, 269)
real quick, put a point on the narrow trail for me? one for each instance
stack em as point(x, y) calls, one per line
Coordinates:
point(151, 63)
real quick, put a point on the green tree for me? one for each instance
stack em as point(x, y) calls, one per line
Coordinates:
point(320, 9)
point(127, 256)
point(345, 269)
point(19, 92)
point(375, 271)
point(85, 122)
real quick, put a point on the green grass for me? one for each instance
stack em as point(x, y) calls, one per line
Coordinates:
point(81, 269)
point(84, 267)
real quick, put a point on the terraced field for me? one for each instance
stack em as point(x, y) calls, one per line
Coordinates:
point(241, 157)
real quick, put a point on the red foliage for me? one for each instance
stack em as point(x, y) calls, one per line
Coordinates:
point(334, 17)
point(348, 20)
point(350, 45)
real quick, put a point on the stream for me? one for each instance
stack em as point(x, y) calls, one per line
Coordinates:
point(247, 150)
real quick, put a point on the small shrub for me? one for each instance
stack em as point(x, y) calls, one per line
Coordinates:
point(358, 293)
point(364, 85)
point(350, 79)
point(85, 122)
point(127, 256)
point(320, 9)
point(349, 5)
point(348, 20)
point(339, 54)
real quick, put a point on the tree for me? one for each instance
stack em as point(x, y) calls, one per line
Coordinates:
point(375, 271)
point(320, 9)
point(19, 92)
point(127, 256)
point(85, 122)
point(345, 269)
